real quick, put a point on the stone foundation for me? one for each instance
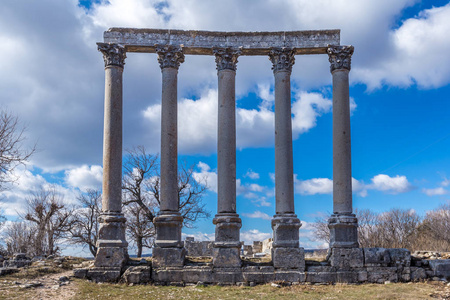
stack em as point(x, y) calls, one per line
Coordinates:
point(344, 265)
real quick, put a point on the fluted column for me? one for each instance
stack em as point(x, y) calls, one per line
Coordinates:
point(169, 249)
point(343, 223)
point(112, 246)
point(227, 242)
point(285, 224)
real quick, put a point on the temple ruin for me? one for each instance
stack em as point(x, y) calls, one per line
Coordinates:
point(346, 261)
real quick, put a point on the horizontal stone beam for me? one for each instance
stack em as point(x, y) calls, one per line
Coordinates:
point(202, 42)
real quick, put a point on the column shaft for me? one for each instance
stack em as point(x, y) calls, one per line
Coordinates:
point(169, 165)
point(342, 157)
point(284, 170)
point(226, 143)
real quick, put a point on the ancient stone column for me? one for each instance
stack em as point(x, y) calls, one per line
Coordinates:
point(285, 224)
point(343, 223)
point(227, 243)
point(112, 246)
point(168, 250)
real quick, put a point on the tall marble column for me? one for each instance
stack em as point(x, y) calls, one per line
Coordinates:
point(112, 246)
point(343, 223)
point(285, 224)
point(168, 250)
point(227, 242)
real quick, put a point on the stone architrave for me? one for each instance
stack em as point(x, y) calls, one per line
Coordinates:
point(343, 223)
point(112, 247)
point(226, 252)
point(169, 250)
point(285, 224)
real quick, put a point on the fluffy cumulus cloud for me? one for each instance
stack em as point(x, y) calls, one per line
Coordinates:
point(85, 177)
point(249, 236)
point(257, 215)
point(381, 182)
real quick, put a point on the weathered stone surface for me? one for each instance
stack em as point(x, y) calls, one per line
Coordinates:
point(198, 274)
point(343, 227)
point(362, 276)
point(381, 274)
point(111, 257)
point(227, 275)
point(346, 277)
point(19, 263)
point(321, 277)
point(168, 257)
point(202, 42)
point(7, 271)
point(440, 267)
point(417, 274)
point(400, 257)
point(346, 258)
point(137, 275)
point(226, 257)
point(104, 274)
point(258, 275)
point(376, 257)
point(167, 275)
point(198, 248)
point(320, 269)
point(80, 273)
point(290, 276)
point(288, 258)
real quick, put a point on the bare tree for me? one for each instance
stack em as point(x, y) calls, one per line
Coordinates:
point(435, 229)
point(368, 228)
point(52, 217)
point(85, 225)
point(141, 187)
point(321, 230)
point(19, 237)
point(139, 228)
point(12, 152)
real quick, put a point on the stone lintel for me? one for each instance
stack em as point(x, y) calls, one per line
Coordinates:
point(202, 42)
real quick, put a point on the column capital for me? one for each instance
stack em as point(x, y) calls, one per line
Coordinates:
point(169, 56)
point(113, 54)
point(340, 57)
point(226, 58)
point(282, 59)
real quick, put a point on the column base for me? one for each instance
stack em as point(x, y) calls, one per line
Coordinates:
point(169, 249)
point(227, 245)
point(288, 258)
point(343, 231)
point(285, 230)
point(112, 247)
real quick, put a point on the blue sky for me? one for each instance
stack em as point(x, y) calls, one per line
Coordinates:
point(52, 77)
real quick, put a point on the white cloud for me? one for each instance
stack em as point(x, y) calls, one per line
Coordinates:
point(206, 175)
point(257, 215)
point(435, 192)
point(391, 185)
point(313, 186)
point(85, 177)
point(252, 175)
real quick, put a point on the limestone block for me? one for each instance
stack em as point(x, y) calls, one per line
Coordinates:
point(80, 273)
point(381, 274)
point(400, 257)
point(440, 267)
point(196, 274)
point(362, 276)
point(227, 275)
point(226, 257)
point(137, 275)
point(346, 258)
point(321, 277)
point(168, 257)
point(320, 269)
point(376, 257)
point(167, 275)
point(289, 276)
point(104, 274)
point(257, 275)
point(288, 258)
point(111, 257)
point(347, 277)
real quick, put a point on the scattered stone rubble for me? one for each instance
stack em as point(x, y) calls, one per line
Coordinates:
point(343, 265)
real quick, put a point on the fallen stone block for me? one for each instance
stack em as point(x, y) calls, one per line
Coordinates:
point(440, 267)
